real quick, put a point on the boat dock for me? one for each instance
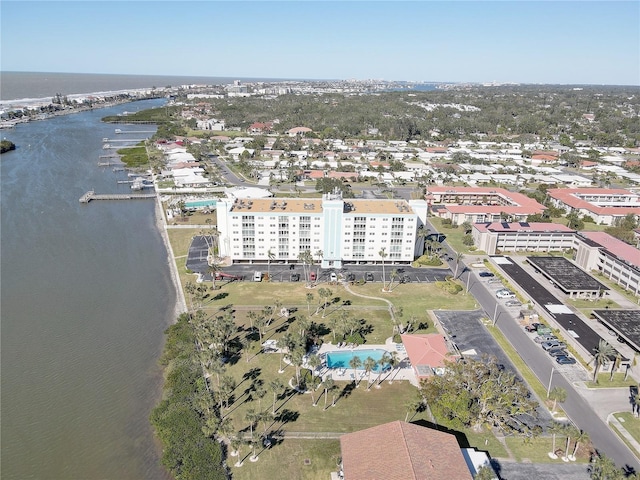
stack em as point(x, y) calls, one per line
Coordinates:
point(91, 195)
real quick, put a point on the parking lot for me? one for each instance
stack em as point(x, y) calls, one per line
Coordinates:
point(466, 330)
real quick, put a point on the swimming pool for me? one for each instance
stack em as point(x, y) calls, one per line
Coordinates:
point(200, 203)
point(338, 359)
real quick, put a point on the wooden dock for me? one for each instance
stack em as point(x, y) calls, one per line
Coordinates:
point(91, 195)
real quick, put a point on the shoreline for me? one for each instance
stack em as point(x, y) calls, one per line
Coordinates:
point(180, 304)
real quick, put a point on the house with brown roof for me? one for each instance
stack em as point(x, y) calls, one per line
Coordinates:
point(298, 131)
point(427, 353)
point(402, 451)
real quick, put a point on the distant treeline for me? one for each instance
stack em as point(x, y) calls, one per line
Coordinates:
point(516, 113)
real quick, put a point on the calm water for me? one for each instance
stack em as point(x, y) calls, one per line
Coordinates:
point(86, 296)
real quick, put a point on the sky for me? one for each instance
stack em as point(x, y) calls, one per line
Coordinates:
point(573, 42)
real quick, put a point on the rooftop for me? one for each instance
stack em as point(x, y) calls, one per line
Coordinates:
point(626, 323)
point(568, 276)
point(520, 227)
point(618, 248)
point(573, 198)
point(402, 451)
point(314, 205)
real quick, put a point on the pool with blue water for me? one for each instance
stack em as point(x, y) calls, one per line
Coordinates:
point(341, 359)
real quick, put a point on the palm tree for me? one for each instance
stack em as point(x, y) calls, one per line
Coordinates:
point(580, 437)
point(355, 363)
point(394, 362)
point(393, 276)
point(369, 365)
point(333, 389)
point(309, 300)
point(252, 417)
point(313, 362)
point(601, 354)
point(458, 258)
point(384, 360)
point(554, 429)
point(412, 407)
point(214, 266)
point(276, 387)
point(329, 383)
point(557, 394)
point(320, 255)
point(383, 255)
point(422, 234)
point(270, 257)
point(615, 366)
point(569, 431)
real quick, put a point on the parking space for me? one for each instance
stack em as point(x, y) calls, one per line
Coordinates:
point(465, 329)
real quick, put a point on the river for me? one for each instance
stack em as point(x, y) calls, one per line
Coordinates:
point(86, 295)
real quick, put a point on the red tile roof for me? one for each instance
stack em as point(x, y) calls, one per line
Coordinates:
point(428, 350)
point(620, 249)
point(568, 197)
point(402, 451)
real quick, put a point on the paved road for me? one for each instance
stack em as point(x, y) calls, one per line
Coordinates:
point(576, 407)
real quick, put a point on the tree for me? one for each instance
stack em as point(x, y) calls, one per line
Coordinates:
point(355, 363)
point(479, 393)
point(603, 468)
point(383, 255)
point(394, 361)
point(580, 437)
point(393, 276)
point(485, 473)
point(412, 406)
point(325, 294)
point(615, 366)
point(569, 431)
point(557, 394)
point(554, 429)
point(309, 298)
point(601, 355)
point(458, 258)
point(328, 384)
point(313, 362)
point(270, 257)
point(384, 360)
point(369, 365)
point(276, 387)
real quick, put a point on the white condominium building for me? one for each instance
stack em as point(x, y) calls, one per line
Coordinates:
point(343, 230)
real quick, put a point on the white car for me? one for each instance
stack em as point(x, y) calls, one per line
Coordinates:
point(333, 277)
point(257, 276)
point(505, 294)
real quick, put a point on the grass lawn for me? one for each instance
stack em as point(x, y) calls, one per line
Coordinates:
point(454, 237)
point(536, 449)
point(355, 408)
point(293, 458)
point(618, 381)
point(631, 424)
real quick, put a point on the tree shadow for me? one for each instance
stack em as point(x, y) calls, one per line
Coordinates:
point(287, 416)
point(220, 296)
point(346, 391)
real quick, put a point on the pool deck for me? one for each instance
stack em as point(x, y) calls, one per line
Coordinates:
point(405, 372)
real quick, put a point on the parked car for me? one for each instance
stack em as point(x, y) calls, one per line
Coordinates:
point(405, 279)
point(565, 360)
point(545, 338)
point(351, 277)
point(495, 280)
point(333, 277)
point(486, 274)
point(533, 327)
point(505, 294)
point(295, 277)
point(552, 344)
point(513, 303)
point(369, 277)
point(257, 276)
point(557, 352)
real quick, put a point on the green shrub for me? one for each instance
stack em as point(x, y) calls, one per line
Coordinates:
point(356, 338)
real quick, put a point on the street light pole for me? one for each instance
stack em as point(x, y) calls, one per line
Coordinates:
point(468, 278)
point(495, 315)
point(550, 378)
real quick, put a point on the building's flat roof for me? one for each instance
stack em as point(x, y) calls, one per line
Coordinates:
point(523, 227)
point(626, 323)
point(314, 205)
point(568, 276)
point(616, 247)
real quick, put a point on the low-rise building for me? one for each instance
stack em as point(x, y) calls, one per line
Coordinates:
point(499, 237)
point(480, 204)
point(604, 205)
point(615, 259)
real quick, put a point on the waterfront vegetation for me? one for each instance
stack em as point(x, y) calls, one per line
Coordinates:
point(6, 146)
point(134, 156)
point(252, 395)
